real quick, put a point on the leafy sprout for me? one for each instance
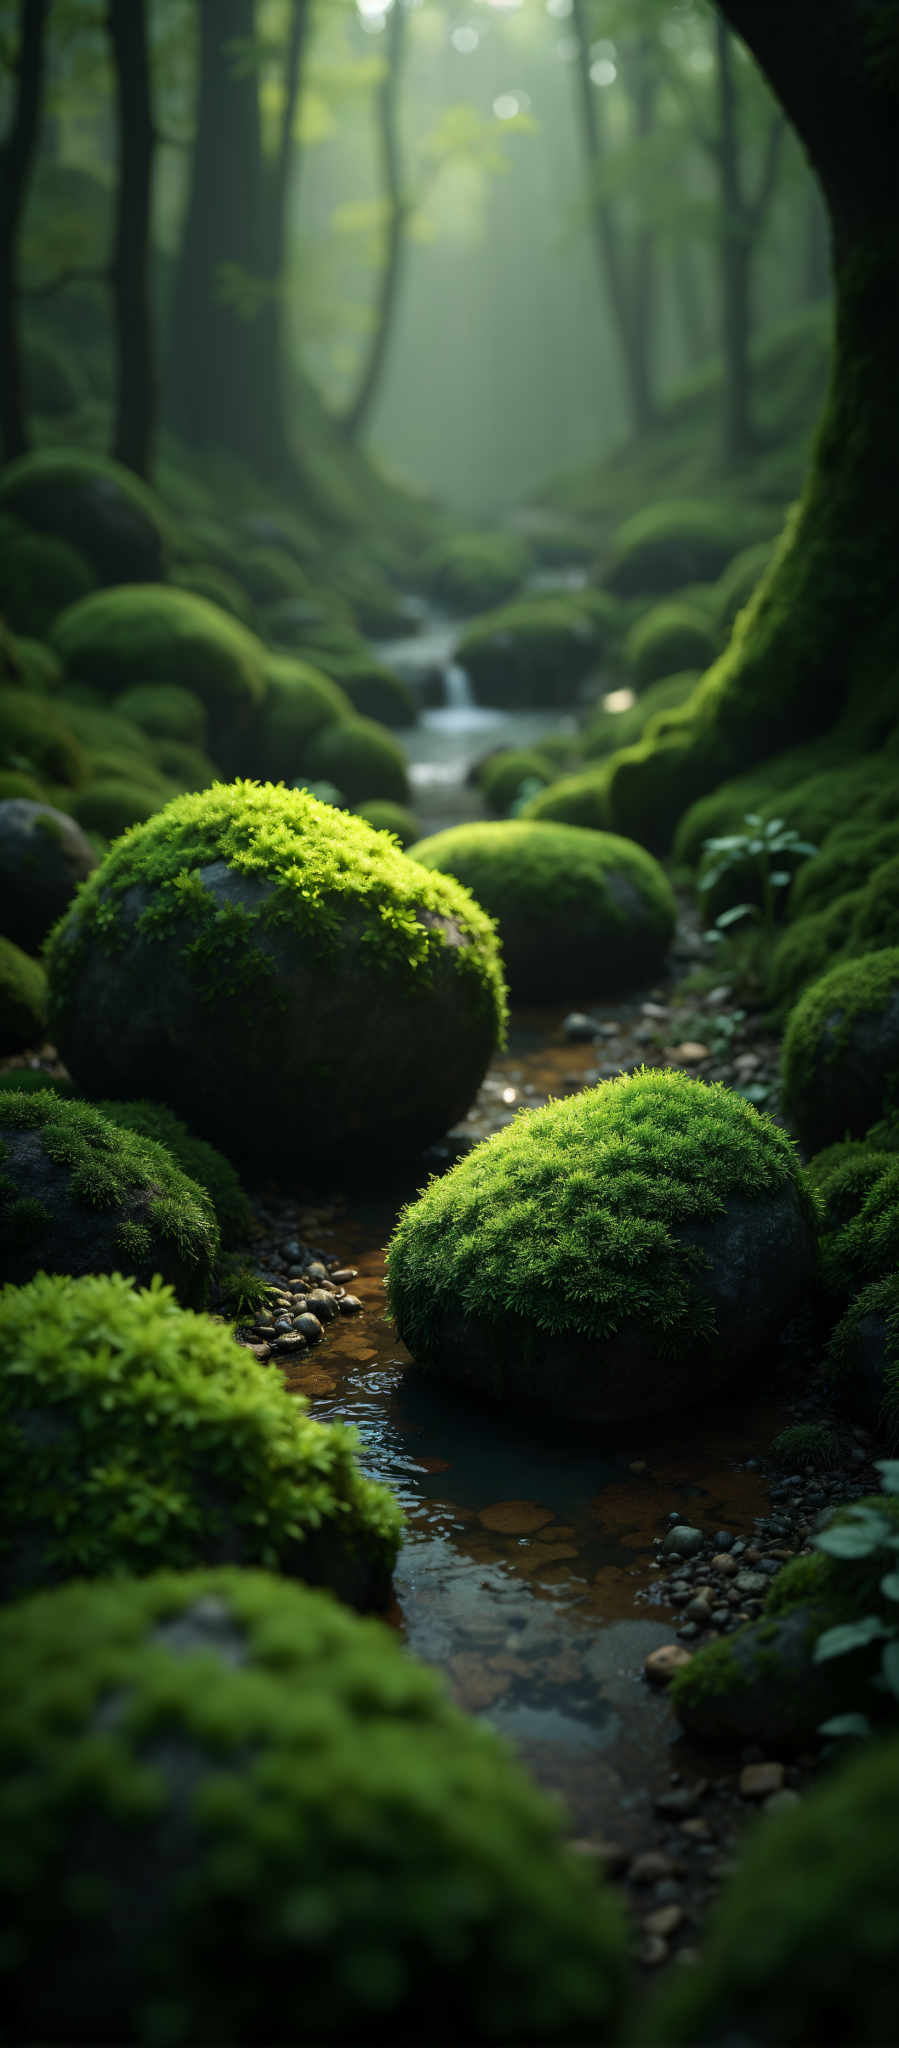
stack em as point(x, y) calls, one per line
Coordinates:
point(865, 1533)
point(763, 848)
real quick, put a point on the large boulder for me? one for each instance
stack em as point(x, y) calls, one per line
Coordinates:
point(96, 505)
point(23, 999)
point(577, 911)
point(472, 572)
point(668, 639)
point(143, 631)
point(44, 856)
point(172, 1446)
point(39, 577)
point(630, 1251)
point(272, 968)
point(37, 739)
point(840, 1064)
point(360, 758)
point(679, 541)
point(235, 1813)
point(80, 1195)
point(299, 702)
point(536, 650)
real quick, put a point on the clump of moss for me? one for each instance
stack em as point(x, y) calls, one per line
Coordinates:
point(36, 737)
point(23, 999)
point(802, 1945)
point(534, 651)
point(609, 730)
point(39, 577)
point(840, 1058)
point(738, 583)
point(362, 759)
point(677, 542)
point(211, 581)
point(809, 948)
point(503, 774)
point(320, 953)
point(112, 803)
point(139, 632)
point(51, 375)
point(166, 711)
point(473, 572)
point(36, 665)
point(299, 702)
point(249, 1783)
point(851, 854)
point(201, 1162)
point(171, 1447)
point(579, 799)
point(92, 1181)
point(388, 817)
point(811, 1446)
point(97, 506)
point(576, 1257)
point(862, 1356)
point(575, 909)
point(859, 1197)
point(373, 691)
point(668, 639)
point(184, 767)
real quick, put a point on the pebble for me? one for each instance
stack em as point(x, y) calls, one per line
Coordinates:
point(749, 1584)
point(778, 1802)
point(344, 1274)
point(758, 1781)
point(610, 1854)
point(322, 1305)
point(682, 1800)
point(309, 1327)
point(661, 1664)
point(578, 1028)
point(664, 1921)
point(316, 1271)
point(683, 1541)
point(652, 1951)
point(292, 1340)
point(349, 1305)
point(651, 1866)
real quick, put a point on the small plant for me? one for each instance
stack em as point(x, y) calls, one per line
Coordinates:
point(717, 1031)
point(241, 1292)
point(865, 1533)
point(812, 1444)
point(763, 850)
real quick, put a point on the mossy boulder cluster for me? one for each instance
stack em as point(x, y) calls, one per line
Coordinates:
point(96, 506)
point(79, 1194)
point(575, 910)
point(841, 1050)
point(627, 1252)
point(142, 633)
point(270, 968)
point(135, 1435)
point(674, 543)
point(23, 999)
point(233, 1811)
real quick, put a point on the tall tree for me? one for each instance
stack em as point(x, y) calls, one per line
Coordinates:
point(16, 163)
point(130, 270)
point(627, 265)
point(358, 411)
point(742, 219)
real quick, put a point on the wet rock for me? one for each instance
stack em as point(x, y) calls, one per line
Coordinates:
point(758, 1781)
point(309, 1327)
point(664, 1921)
point(292, 1340)
point(344, 1274)
point(683, 1799)
point(651, 1866)
point(722, 1539)
point(780, 1802)
point(661, 1664)
point(349, 1305)
point(578, 1028)
point(750, 1585)
point(322, 1305)
point(653, 1951)
point(683, 1541)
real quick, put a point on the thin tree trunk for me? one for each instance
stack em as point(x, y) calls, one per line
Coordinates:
point(645, 265)
point(16, 162)
point(135, 410)
point(610, 259)
point(734, 260)
point(279, 187)
point(817, 248)
point(358, 411)
point(694, 326)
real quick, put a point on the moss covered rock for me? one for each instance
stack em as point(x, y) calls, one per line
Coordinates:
point(135, 1435)
point(850, 856)
point(576, 910)
point(201, 1162)
point(81, 1195)
point(857, 1189)
point(271, 967)
point(809, 948)
point(609, 730)
point(279, 1828)
point(51, 375)
point(36, 737)
point(840, 1063)
point(676, 542)
point(165, 711)
point(140, 632)
point(862, 1357)
point(43, 857)
point(37, 667)
point(506, 772)
point(373, 690)
point(626, 1252)
point(534, 651)
point(801, 1949)
point(388, 817)
point(579, 799)
point(299, 702)
point(472, 572)
point(110, 804)
point(360, 758)
point(39, 577)
point(668, 639)
point(23, 1000)
point(96, 505)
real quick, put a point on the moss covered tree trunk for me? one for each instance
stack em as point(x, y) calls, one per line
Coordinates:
point(824, 626)
point(16, 160)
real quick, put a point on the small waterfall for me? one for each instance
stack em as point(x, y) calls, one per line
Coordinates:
point(457, 688)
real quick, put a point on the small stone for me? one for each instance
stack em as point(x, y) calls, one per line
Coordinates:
point(322, 1305)
point(688, 1630)
point(652, 1951)
point(758, 1781)
point(661, 1664)
point(724, 1564)
point(723, 1539)
point(699, 1607)
point(659, 1010)
point(682, 1541)
point(696, 1828)
point(578, 1028)
point(650, 1866)
point(778, 1802)
point(690, 1053)
point(344, 1274)
point(683, 1800)
point(668, 1891)
point(292, 1340)
point(610, 1855)
point(260, 1351)
point(349, 1305)
point(317, 1272)
point(664, 1921)
point(750, 1585)
point(308, 1326)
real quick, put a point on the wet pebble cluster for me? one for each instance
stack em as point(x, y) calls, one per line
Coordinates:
point(306, 1289)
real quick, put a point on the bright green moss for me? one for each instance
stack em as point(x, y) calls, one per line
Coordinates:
point(533, 651)
point(388, 817)
point(372, 690)
point(210, 581)
point(201, 1162)
point(739, 582)
point(473, 572)
point(299, 702)
point(670, 544)
point(840, 1058)
point(575, 909)
point(580, 799)
point(93, 1176)
point(139, 632)
point(102, 730)
point(166, 711)
point(39, 577)
point(859, 1198)
point(571, 1218)
point(811, 793)
point(23, 1000)
point(14, 783)
point(802, 1946)
point(668, 639)
point(609, 730)
point(36, 738)
point(112, 803)
point(810, 948)
point(503, 773)
point(321, 1843)
point(848, 859)
point(135, 1435)
point(97, 506)
point(360, 758)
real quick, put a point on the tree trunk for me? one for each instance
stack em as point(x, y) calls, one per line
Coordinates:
point(218, 395)
point(277, 189)
point(817, 248)
point(358, 411)
point(16, 161)
point(736, 317)
point(135, 371)
point(610, 257)
point(688, 297)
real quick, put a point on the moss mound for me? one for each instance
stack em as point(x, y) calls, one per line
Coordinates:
point(35, 737)
point(165, 711)
point(862, 1357)
point(112, 803)
point(535, 651)
point(668, 639)
point(674, 543)
point(43, 858)
point(576, 910)
point(81, 1195)
point(139, 632)
point(53, 383)
point(849, 858)
point(503, 775)
point(624, 1252)
point(281, 1829)
point(14, 783)
point(270, 967)
point(299, 702)
point(97, 506)
point(177, 1449)
point(580, 799)
point(806, 787)
point(360, 758)
point(840, 1062)
point(857, 1188)
point(373, 690)
point(184, 767)
point(37, 667)
point(808, 949)
point(802, 1946)
point(39, 577)
point(388, 817)
point(472, 572)
point(201, 1162)
point(208, 580)
point(23, 1000)
point(739, 581)
point(609, 730)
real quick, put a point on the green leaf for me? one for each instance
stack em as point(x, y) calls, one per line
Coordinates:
point(737, 910)
point(850, 1635)
point(751, 818)
point(774, 825)
point(781, 878)
point(846, 1724)
point(889, 1586)
point(889, 1471)
point(889, 1667)
point(850, 1539)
